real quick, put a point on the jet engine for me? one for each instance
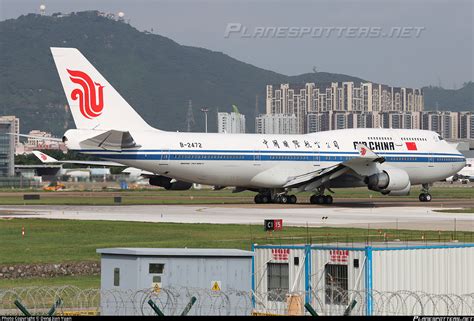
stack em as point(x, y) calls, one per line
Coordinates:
point(169, 183)
point(391, 181)
point(401, 192)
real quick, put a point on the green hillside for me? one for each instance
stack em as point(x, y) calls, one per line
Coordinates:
point(156, 75)
point(447, 99)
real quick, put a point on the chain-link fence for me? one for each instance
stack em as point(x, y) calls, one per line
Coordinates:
point(173, 301)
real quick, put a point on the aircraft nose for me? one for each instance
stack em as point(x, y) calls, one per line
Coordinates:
point(462, 164)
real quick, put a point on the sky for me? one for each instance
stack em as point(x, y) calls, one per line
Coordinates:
point(408, 43)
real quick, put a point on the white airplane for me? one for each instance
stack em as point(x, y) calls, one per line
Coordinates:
point(388, 161)
point(465, 174)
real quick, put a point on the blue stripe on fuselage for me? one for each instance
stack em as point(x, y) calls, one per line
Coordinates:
point(186, 156)
point(259, 152)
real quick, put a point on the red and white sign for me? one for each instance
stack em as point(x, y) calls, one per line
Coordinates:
point(411, 145)
point(278, 225)
point(280, 254)
point(339, 256)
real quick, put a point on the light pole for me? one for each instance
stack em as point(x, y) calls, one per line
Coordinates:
point(205, 110)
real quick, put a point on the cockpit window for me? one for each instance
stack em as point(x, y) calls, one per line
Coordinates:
point(440, 138)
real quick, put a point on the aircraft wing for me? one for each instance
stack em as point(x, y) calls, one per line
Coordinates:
point(359, 165)
point(46, 159)
point(138, 172)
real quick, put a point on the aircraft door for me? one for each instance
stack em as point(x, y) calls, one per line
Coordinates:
point(165, 157)
point(397, 140)
point(430, 160)
point(315, 158)
point(257, 158)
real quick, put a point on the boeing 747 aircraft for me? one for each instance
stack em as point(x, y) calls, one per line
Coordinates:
point(388, 161)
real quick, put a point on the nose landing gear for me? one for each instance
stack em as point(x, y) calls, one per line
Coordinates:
point(425, 196)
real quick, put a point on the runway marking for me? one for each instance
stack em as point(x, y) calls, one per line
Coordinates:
point(386, 217)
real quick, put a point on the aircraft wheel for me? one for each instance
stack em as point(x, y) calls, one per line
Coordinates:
point(320, 199)
point(265, 199)
point(258, 199)
point(327, 199)
point(425, 197)
point(292, 199)
point(283, 199)
point(312, 199)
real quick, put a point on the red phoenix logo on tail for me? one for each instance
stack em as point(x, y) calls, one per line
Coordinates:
point(91, 98)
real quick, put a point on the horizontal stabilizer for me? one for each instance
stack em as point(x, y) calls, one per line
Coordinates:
point(110, 140)
point(50, 139)
point(46, 159)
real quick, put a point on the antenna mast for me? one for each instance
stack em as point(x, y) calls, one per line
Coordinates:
point(189, 116)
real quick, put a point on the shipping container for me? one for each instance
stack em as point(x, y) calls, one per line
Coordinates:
point(360, 279)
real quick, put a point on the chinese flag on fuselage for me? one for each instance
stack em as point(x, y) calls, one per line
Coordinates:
point(411, 145)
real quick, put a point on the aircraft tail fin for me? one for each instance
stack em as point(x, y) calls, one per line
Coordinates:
point(94, 103)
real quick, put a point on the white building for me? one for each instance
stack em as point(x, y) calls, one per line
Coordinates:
point(276, 124)
point(34, 143)
point(233, 122)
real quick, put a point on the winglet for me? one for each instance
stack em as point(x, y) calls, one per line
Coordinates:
point(44, 158)
point(366, 152)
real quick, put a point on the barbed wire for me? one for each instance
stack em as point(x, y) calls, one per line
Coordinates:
point(172, 301)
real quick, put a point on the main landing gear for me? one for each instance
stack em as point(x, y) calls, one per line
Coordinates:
point(321, 199)
point(263, 198)
point(425, 196)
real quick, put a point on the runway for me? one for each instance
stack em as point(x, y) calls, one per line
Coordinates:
point(362, 216)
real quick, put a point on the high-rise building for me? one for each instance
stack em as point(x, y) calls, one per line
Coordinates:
point(366, 97)
point(445, 123)
point(276, 124)
point(16, 127)
point(7, 146)
point(466, 125)
point(233, 122)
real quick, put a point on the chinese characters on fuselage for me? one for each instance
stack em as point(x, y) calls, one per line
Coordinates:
point(296, 144)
